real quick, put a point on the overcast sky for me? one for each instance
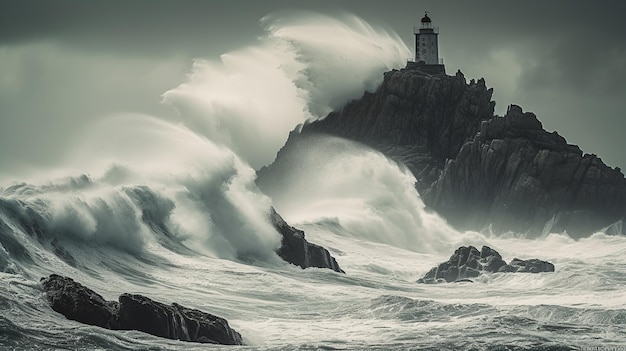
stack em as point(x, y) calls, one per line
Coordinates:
point(64, 64)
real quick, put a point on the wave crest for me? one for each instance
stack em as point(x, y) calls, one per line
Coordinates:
point(251, 98)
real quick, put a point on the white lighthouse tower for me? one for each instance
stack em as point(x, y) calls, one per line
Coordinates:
point(427, 47)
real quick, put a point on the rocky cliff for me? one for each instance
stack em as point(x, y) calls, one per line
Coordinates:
point(478, 170)
point(418, 119)
point(519, 177)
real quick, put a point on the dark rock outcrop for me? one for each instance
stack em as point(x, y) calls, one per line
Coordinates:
point(415, 118)
point(530, 266)
point(519, 177)
point(79, 303)
point(477, 170)
point(467, 262)
point(297, 250)
point(136, 312)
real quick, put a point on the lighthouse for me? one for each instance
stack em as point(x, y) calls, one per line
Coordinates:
point(427, 47)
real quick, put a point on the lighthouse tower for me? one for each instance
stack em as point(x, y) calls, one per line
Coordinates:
point(427, 47)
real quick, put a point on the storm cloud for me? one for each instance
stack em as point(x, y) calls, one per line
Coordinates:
point(65, 64)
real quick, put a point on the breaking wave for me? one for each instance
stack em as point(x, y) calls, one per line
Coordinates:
point(303, 67)
point(132, 178)
point(332, 179)
point(172, 211)
point(165, 179)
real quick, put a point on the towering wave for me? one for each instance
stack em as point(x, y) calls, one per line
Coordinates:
point(134, 181)
point(303, 67)
point(166, 181)
point(171, 211)
point(325, 178)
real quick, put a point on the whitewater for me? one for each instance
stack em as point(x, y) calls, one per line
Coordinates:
point(169, 209)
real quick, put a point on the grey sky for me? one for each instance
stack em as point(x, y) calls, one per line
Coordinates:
point(65, 63)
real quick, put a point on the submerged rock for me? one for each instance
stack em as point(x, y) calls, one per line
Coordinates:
point(136, 312)
point(297, 250)
point(467, 262)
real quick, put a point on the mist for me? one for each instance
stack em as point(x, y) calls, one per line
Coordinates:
point(232, 116)
point(305, 66)
point(335, 181)
point(134, 180)
point(152, 174)
point(68, 64)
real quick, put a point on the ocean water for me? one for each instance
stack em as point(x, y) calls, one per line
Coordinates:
point(377, 304)
point(170, 210)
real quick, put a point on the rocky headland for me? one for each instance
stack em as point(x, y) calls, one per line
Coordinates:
point(478, 170)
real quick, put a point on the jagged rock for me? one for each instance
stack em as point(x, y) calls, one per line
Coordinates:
point(415, 118)
point(297, 250)
point(531, 266)
point(467, 262)
point(490, 260)
point(136, 312)
point(516, 176)
point(477, 170)
point(76, 302)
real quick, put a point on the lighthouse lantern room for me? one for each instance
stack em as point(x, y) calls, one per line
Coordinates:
point(426, 46)
point(426, 49)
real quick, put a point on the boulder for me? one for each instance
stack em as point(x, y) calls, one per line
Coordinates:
point(136, 312)
point(467, 262)
point(296, 250)
point(77, 302)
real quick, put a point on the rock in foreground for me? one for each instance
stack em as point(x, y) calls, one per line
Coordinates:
point(136, 312)
point(297, 250)
point(467, 262)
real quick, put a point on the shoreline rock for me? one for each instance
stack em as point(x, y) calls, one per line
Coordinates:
point(136, 312)
point(296, 250)
point(467, 262)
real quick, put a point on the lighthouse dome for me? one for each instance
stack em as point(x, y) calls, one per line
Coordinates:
point(426, 19)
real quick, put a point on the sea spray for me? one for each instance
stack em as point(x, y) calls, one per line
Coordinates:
point(304, 67)
point(171, 183)
point(165, 177)
point(132, 177)
point(372, 197)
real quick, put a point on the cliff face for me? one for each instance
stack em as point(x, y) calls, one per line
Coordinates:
point(477, 170)
point(416, 118)
point(519, 177)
